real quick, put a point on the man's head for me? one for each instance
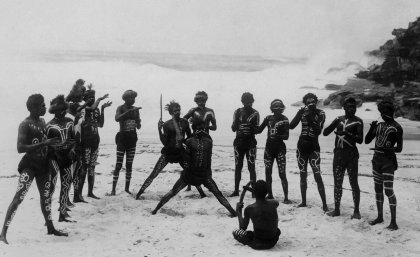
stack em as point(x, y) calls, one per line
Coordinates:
point(89, 95)
point(310, 100)
point(173, 108)
point(260, 189)
point(76, 92)
point(36, 105)
point(129, 97)
point(386, 108)
point(201, 98)
point(350, 106)
point(277, 106)
point(247, 99)
point(58, 106)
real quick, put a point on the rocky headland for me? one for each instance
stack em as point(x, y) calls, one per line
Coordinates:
point(398, 77)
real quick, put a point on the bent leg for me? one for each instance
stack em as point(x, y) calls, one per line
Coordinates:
point(179, 185)
point(243, 236)
point(160, 164)
point(212, 187)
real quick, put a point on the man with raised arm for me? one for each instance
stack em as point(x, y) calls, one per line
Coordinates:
point(129, 118)
point(245, 123)
point(308, 150)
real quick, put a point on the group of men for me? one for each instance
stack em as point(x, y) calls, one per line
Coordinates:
point(68, 145)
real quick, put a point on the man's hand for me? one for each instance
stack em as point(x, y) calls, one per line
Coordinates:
point(51, 141)
point(103, 97)
point(105, 105)
point(374, 124)
point(239, 206)
point(160, 124)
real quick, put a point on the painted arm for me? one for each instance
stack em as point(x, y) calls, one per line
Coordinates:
point(235, 121)
point(297, 118)
point(22, 138)
point(331, 127)
point(163, 135)
point(262, 125)
point(213, 125)
point(371, 133)
point(243, 219)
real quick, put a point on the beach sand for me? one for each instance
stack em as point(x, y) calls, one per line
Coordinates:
point(190, 226)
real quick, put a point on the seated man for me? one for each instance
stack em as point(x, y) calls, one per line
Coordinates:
point(263, 214)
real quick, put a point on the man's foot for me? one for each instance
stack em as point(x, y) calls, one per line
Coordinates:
point(138, 195)
point(301, 205)
point(233, 215)
point(91, 195)
point(57, 232)
point(376, 221)
point(325, 208)
point(287, 201)
point(64, 218)
point(203, 196)
point(70, 204)
point(356, 215)
point(269, 196)
point(3, 239)
point(235, 193)
point(154, 212)
point(79, 199)
point(188, 188)
point(111, 194)
point(392, 226)
point(128, 192)
point(334, 213)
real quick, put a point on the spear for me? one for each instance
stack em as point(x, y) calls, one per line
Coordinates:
point(160, 106)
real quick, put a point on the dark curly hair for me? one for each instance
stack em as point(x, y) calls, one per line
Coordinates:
point(309, 95)
point(34, 101)
point(171, 106)
point(247, 97)
point(386, 105)
point(58, 104)
point(201, 94)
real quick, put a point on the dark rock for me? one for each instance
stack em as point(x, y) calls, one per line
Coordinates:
point(333, 87)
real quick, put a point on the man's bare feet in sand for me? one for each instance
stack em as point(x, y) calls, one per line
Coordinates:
point(356, 215)
point(376, 221)
point(334, 213)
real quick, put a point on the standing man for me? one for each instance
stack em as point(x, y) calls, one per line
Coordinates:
point(94, 119)
point(389, 140)
point(245, 123)
point(129, 118)
point(346, 156)
point(172, 137)
point(199, 150)
point(277, 131)
point(308, 146)
point(33, 142)
point(263, 214)
point(62, 127)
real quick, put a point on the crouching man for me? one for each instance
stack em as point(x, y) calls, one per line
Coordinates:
point(263, 214)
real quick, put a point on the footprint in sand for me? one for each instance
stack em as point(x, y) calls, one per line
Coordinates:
point(172, 213)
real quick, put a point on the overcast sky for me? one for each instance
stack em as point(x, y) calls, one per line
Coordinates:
point(294, 28)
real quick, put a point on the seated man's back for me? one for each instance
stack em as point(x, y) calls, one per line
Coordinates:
point(264, 218)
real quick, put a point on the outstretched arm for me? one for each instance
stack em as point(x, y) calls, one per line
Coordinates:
point(102, 117)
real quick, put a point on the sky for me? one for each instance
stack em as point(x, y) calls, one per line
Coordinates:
point(289, 28)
